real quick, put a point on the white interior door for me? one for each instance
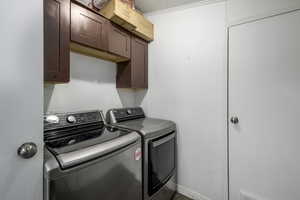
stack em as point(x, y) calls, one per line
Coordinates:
point(21, 98)
point(264, 93)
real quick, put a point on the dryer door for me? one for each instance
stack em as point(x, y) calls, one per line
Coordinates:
point(161, 161)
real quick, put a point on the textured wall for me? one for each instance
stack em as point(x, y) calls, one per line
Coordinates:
point(92, 86)
point(187, 84)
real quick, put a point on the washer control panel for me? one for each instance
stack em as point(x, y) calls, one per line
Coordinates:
point(54, 121)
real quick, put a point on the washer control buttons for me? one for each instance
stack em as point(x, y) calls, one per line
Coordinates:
point(52, 119)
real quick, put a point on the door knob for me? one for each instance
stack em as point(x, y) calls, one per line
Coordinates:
point(27, 150)
point(234, 120)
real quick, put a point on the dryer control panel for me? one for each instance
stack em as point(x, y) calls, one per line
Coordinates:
point(124, 114)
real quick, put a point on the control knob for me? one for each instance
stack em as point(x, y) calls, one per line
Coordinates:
point(71, 119)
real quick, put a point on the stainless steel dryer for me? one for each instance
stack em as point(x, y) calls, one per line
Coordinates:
point(159, 150)
point(87, 160)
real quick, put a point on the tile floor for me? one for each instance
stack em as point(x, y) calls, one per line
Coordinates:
point(181, 197)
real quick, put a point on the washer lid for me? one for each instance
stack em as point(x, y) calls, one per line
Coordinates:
point(79, 156)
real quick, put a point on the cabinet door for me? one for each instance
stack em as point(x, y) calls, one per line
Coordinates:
point(134, 73)
point(88, 28)
point(56, 40)
point(119, 41)
point(139, 63)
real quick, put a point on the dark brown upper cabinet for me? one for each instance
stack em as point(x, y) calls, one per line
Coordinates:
point(56, 40)
point(139, 63)
point(68, 25)
point(134, 73)
point(88, 28)
point(119, 41)
point(91, 35)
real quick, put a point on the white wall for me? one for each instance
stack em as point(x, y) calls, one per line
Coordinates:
point(92, 86)
point(187, 84)
point(244, 10)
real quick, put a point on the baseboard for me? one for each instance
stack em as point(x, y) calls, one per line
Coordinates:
point(190, 193)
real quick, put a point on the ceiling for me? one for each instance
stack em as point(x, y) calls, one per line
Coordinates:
point(154, 5)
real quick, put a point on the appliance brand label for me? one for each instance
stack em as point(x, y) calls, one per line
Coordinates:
point(138, 154)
